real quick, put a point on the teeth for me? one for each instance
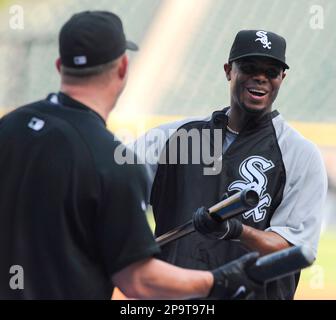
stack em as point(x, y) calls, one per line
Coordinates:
point(257, 91)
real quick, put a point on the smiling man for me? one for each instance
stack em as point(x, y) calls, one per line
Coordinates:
point(257, 150)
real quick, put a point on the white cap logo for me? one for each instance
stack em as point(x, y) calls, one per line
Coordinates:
point(262, 37)
point(80, 60)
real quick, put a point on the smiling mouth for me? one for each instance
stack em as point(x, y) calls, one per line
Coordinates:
point(257, 92)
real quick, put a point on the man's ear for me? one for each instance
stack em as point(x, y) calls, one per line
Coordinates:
point(284, 75)
point(123, 67)
point(227, 69)
point(58, 64)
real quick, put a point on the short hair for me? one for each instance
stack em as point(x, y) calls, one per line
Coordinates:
point(88, 72)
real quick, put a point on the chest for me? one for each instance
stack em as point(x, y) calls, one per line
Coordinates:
point(253, 162)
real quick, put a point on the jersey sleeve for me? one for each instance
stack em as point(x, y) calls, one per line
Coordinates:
point(149, 147)
point(122, 230)
point(148, 150)
point(299, 216)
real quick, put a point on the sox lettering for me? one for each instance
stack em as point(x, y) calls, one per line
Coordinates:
point(263, 39)
point(252, 170)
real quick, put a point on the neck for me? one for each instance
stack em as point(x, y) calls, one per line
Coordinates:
point(239, 118)
point(93, 97)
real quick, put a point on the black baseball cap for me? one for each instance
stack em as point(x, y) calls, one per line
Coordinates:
point(92, 38)
point(260, 43)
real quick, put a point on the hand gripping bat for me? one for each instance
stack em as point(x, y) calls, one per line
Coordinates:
point(226, 209)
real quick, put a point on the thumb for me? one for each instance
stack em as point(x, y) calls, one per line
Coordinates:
point(249, 258)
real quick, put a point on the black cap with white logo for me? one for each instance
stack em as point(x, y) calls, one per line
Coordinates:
point(92, 38)
point(249, 43)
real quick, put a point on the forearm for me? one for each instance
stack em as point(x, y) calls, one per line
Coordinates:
point(155, 279)
point(262, 241)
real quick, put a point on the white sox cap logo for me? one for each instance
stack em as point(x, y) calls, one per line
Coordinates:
point(263, 39)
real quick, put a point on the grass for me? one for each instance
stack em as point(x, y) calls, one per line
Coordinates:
point(3, 3)
point(319, 281)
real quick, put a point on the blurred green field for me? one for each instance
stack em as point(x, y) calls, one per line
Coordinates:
point(319, 281)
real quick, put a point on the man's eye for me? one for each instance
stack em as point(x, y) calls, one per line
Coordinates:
point(251, 70)
point(273, 73)
point(248, 69)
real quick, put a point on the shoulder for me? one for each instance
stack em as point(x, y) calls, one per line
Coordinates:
point(149, 146)
point(161, 134)
point(36, 135)
point(81, 129)
point(30, 120)
point(168, 129)
point(301, 157)
point(290, 140)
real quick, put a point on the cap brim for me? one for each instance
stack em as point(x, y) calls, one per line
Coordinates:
point(286, 66)
point(131, 46)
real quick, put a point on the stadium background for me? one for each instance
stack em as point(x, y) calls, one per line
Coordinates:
point(179, 73)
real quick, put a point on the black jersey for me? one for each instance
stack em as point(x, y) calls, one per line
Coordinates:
point(70, 216)
point(268, 156)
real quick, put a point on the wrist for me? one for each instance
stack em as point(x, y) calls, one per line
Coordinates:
point(235, 229)
point(239, 229)
point(210, 284)
point(218, 290)
point(243, 232)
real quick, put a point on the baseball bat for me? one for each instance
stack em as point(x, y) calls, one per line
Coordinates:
point(226, 209)
point(281, 263)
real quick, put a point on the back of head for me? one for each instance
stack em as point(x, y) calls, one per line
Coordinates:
point(90, 42)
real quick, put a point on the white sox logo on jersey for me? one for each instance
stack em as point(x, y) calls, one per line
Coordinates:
point(263, 39)
point(252, 170)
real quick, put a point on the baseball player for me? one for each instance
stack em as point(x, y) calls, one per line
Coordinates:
point(72, 219)
point(252, 147)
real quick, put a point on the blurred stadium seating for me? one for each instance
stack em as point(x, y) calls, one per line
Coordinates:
point(198, 85)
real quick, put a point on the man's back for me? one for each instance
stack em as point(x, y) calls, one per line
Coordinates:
point(55, 221)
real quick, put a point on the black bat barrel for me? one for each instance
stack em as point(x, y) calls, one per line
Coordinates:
point(280, 264)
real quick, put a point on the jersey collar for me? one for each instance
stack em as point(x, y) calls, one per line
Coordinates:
point(222, 117)
point(66, 101)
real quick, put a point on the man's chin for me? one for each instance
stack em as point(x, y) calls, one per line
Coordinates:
point(254, 109)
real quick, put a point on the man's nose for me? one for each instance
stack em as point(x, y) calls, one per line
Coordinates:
point(260, 77)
